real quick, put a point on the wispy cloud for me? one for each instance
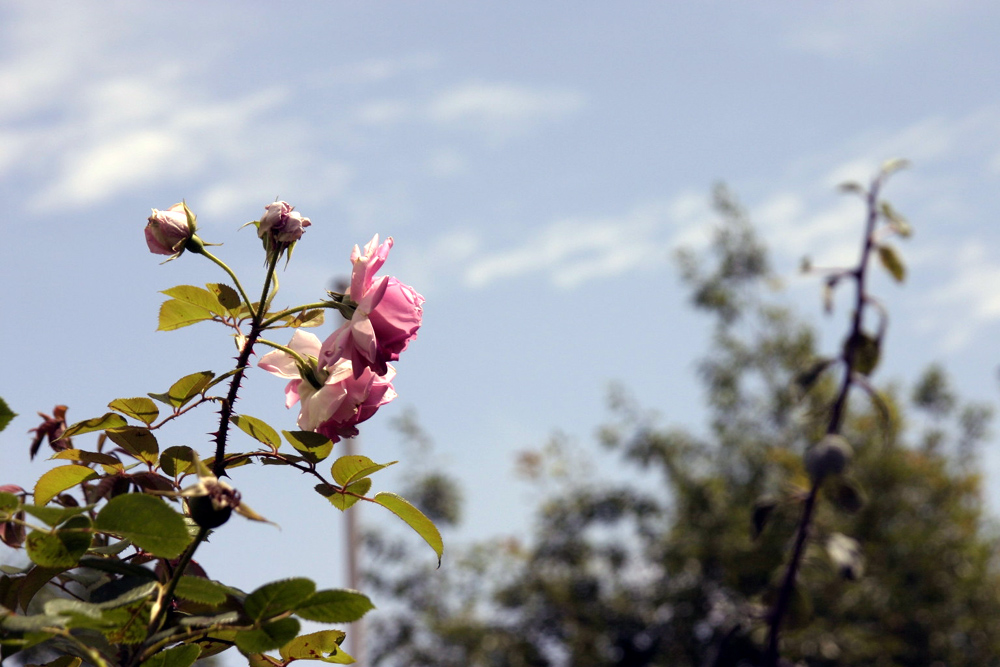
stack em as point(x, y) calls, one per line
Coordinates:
point(501, 109)
point(570, 251)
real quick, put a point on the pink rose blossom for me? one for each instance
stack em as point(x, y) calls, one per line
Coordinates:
point(387, 317)
point(168, 231)
point(282, 223)
point(341, 402)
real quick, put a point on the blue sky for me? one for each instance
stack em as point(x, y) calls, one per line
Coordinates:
point(537, 165)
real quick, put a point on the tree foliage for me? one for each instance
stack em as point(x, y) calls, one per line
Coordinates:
point(677, 562)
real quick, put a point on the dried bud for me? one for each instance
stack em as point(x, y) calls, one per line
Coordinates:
point(829, 456)
point(281, 225)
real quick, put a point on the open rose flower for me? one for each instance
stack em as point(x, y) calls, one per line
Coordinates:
point(387, 317)
point(167, 232)
point(333, 401)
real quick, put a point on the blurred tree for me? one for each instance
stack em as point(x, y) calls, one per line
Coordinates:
point(673, 563)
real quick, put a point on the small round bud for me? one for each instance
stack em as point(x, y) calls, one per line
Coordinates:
point(829, 456)
point(206, 514)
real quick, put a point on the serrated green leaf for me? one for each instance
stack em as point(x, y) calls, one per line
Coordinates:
point(6, 414)
point(277, 597)
point(137, 441)
point(54, 516)
point(57, 480)
point(185, 389)
point(305, 319)
point(109, 420)
point(130, 590)
point(108, 462)
point(115, 566)
point(63, 547)
point(269, 637)
point(197, 296)
point(342, 500)
point(257, 429)
point(891, 261)
point(177, 460)
point(323, 645)
point(178, 656)
point(127, 624)
point(175, 314)
point(198, 589)
point(335, 606)
point(414, 518)
point(140, 408)
point(147, 521)
point(227, 296)
point(349, 469)
point(314, 446)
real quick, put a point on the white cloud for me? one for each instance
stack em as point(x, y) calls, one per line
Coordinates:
point(572, 251)
point(502, 109)
point(861, 30)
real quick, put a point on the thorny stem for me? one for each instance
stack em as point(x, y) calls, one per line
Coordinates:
point(219, 465)
point(772, 654)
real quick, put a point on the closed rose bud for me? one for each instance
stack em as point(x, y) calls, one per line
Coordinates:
point(281, 225)
point(167, 232)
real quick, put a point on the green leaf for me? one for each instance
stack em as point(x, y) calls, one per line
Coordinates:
point(227, 296)
point(762, 511)
point(147, 521)
point(323, 645)
point(138, 441)
point(891, 261)
point(57, 480)
point(110, 463)
point(109, 420)
point(349, 469)
point(269, 637)
point(897, 222)
point(277, 597)
point(175, 314)
point(115, 566)
point(140, 408)
point(197, 296)
point(335, 606)
point(314, 446)
point(54, 516)
point(133, 590)
point(9, 504)
point(6, 414)
point(65, 661)
point(63, 547)
point(185, 389)
point(846, 495)
point(342, 500)
point(178, 656)
point(258, 430)
point(305, 319)
point(867, 351)
point(177, 460)
point(414, 518)
point(198, 589)
point(18, 623)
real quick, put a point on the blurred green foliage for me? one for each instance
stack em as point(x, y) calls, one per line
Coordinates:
point(669, 556)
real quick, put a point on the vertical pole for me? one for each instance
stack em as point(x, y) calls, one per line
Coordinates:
point(356, 631)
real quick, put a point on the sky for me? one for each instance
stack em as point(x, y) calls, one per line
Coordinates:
point(537, 164)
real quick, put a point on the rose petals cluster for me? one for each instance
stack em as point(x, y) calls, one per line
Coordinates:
point(386, 319)
point(333, 401)
point(344, 380)
point(167, 232)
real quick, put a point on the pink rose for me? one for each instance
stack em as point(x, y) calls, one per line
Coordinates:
point(386, 319)
point(168, 231)
point(341, 401)
point(282, 223)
